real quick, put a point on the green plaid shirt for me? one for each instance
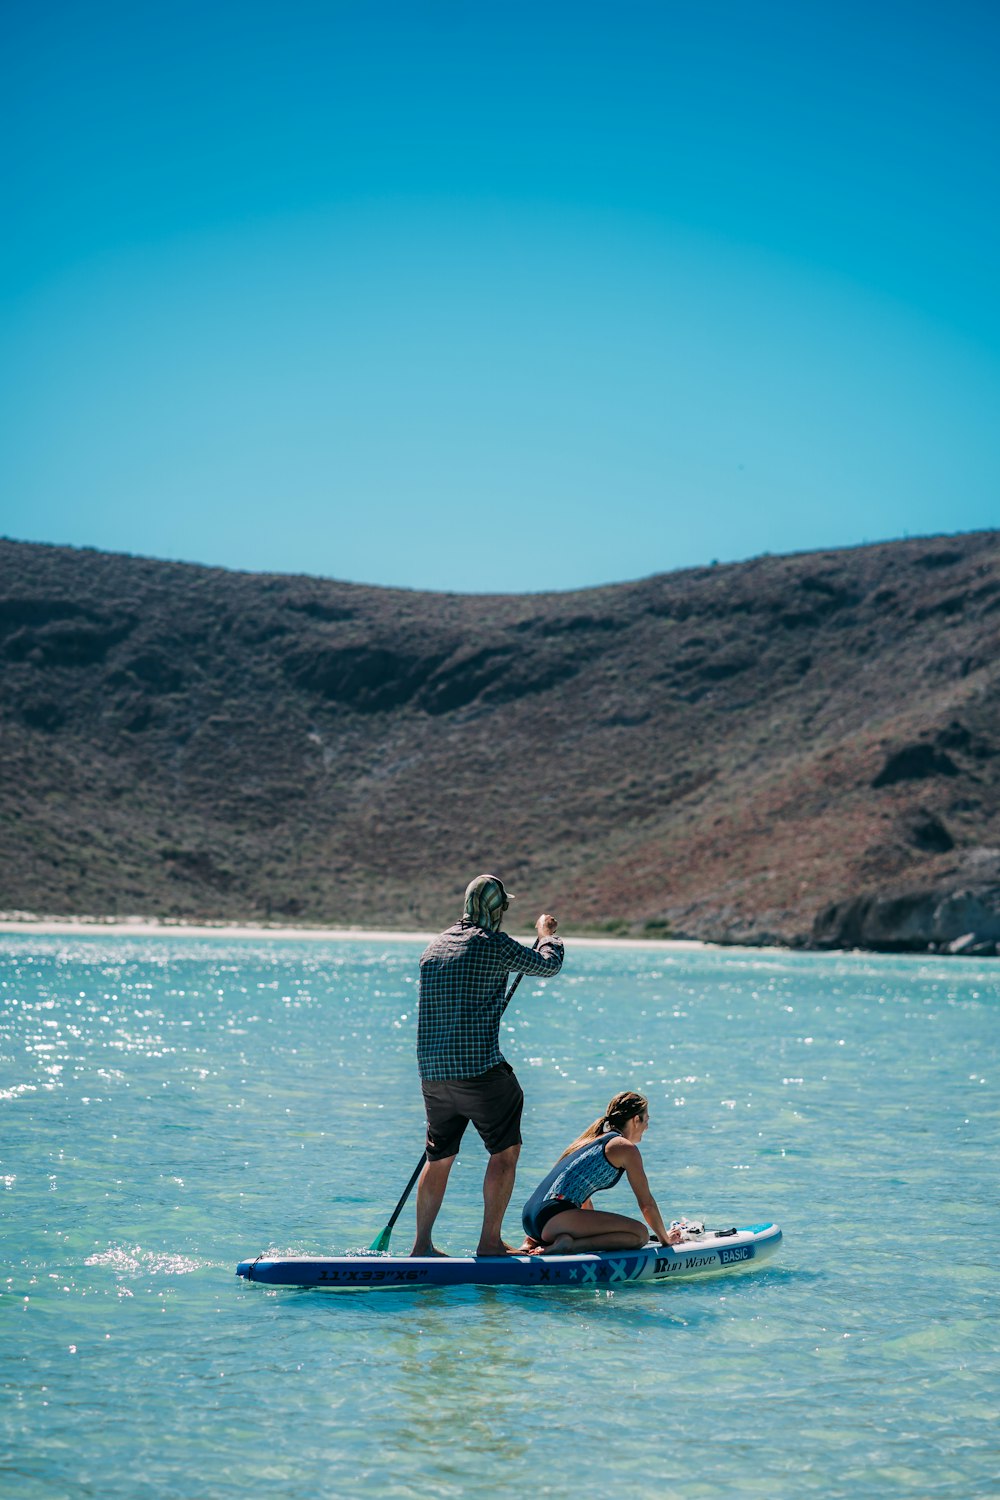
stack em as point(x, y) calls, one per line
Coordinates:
point(463, 990)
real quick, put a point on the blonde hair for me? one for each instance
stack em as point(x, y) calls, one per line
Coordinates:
point(623, 1107)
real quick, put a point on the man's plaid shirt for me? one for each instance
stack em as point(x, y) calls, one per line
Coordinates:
point(463, 987)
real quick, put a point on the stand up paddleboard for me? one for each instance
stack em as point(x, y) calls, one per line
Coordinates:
point(702, 1254)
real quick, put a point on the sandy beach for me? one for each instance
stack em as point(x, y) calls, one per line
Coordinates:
point(22, 922)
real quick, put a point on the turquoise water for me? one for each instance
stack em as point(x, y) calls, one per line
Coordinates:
point(171, 1105)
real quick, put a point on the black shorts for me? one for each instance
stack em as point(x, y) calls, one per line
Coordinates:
point(537, 1215)
point(493, 1102)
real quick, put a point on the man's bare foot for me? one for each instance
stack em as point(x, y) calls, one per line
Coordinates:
point(430, 1250)
point(498, 1249)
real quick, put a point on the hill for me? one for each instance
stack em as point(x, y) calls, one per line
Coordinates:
point(798, 749)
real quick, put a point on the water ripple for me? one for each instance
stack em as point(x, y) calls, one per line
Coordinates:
point(169, 1105)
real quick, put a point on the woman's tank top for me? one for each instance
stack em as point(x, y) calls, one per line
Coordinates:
point(576, 1177)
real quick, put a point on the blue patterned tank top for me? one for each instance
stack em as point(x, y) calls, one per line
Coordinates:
point(576, 1177)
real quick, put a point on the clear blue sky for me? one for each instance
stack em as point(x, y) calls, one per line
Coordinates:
point(486, 296)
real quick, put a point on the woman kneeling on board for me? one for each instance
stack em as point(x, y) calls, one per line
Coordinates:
point(559, 1217)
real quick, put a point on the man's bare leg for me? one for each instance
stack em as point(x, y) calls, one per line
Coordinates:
point(430, 1194)
point(498, 1184)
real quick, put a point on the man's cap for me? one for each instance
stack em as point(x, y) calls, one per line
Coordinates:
point(486, 899)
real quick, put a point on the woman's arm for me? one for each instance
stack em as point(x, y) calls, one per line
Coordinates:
point(545, 960)
point(622, 1153)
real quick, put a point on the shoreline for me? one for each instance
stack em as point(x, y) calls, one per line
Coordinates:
point(14, 923)
point(25, 922)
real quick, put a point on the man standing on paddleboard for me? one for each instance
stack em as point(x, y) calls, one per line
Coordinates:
point(463, 1074)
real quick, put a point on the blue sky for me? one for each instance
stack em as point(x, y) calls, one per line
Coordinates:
point(497, 297)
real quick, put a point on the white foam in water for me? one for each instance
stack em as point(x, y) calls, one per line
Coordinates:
point(136, 1261)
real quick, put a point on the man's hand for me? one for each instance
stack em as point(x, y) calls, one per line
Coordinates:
point(545, 926)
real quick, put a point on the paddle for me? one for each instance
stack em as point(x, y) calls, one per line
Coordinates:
point(380, 1244)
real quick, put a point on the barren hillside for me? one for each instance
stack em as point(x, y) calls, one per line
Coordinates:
point(804, 749)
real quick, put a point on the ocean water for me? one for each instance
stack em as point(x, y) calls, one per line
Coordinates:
point(170, 1105)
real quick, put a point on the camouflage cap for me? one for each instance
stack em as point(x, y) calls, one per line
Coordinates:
point(486, 900)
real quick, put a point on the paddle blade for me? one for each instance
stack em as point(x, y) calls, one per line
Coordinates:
point(380, 1243)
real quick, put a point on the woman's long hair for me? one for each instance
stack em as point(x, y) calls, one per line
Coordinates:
point(623, 1107)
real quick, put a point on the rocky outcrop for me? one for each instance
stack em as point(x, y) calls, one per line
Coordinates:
point(958, 915)
point(915, 763)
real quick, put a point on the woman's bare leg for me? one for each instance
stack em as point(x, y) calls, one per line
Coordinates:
point(565, 1244)
point(580, 1229)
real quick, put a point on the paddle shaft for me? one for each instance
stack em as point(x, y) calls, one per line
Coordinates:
point(406, 1192)
point(517, 981)
point(383, 1238)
